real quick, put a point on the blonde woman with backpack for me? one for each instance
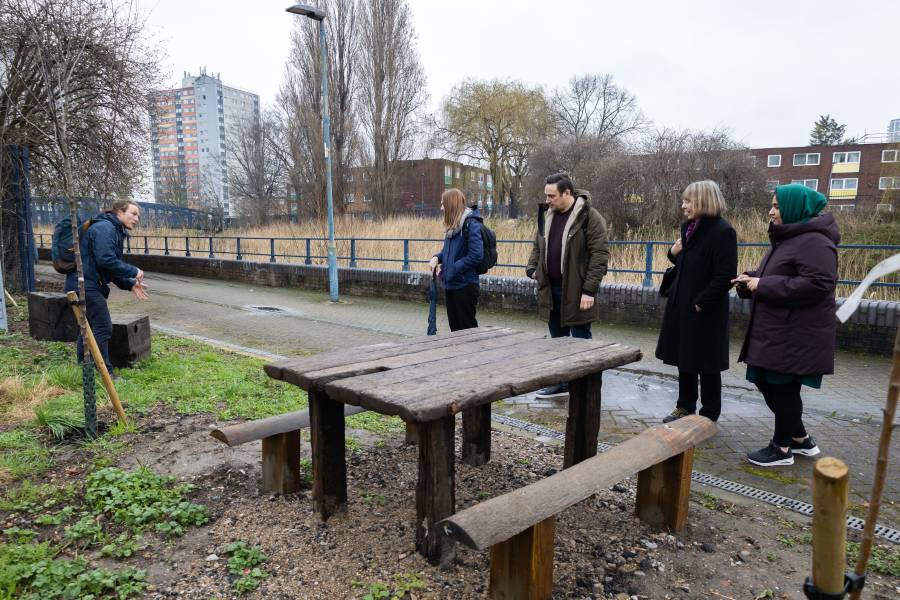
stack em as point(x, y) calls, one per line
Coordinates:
point(458, 261)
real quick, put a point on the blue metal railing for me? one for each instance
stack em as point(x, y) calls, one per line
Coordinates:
point(239, 249)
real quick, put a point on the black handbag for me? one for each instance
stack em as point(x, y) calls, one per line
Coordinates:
point(668, 280)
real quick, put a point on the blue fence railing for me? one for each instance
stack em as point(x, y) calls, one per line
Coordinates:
point(284, 249)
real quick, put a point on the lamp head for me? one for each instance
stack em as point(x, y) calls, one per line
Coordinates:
point(307, 10)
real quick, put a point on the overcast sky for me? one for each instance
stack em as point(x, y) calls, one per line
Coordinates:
point(763, 69)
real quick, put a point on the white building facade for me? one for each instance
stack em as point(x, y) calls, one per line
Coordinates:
point(219, 112)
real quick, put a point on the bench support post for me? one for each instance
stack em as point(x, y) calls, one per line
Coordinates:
point(329, 466)
point(583, 423)
point(663, 492)
point(435, 489)
point(522, 566)
point(281, 463)
point(476, 443)
point(412, 434)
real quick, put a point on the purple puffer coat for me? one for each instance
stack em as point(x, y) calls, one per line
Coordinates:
point(792, 322)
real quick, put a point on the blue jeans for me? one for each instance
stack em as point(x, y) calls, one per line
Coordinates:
point(556, 330)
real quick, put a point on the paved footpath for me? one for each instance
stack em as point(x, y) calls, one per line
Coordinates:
point(844, 416)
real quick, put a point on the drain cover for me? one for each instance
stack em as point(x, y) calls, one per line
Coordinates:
point(268, 308)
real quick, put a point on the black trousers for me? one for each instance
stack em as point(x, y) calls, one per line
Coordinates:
point(461, 306)
point(784, 400)
point(710, 393)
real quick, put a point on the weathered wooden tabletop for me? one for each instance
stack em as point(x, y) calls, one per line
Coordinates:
point(426, 378)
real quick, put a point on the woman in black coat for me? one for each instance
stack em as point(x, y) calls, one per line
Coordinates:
point(790, 339)
point(694, 334)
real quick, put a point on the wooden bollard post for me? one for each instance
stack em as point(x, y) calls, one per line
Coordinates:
point(829, 525)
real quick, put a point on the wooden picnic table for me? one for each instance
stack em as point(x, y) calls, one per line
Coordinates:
point(426, 381)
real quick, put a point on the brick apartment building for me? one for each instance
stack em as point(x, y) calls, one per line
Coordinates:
point(420, 184)
point(866, 176)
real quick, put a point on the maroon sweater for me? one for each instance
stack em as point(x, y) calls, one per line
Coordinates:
point(554, 246)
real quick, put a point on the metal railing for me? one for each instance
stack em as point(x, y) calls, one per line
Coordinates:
point(248, 248)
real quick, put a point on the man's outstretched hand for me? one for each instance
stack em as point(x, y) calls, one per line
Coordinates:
point(139, 289)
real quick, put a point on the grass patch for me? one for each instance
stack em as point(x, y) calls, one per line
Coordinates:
point(772, 475)
point(373, 422)
point(402, 586)
point(22, 455)
point(193, 378)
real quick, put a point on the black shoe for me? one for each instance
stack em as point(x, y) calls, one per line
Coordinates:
point(675, 415)
point(771, 456)
point(554, 391)
point(805, 448)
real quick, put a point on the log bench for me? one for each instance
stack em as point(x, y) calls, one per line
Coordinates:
point(519, 527)
point(280, 437)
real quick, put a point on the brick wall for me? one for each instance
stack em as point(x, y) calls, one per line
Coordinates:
point(871, 329)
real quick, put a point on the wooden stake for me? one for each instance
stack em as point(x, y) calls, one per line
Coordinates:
point(522, 566)
point(664, 490)
point(329, 461)
point(11, 299)
point(583, 423)
point(281, 463)
point(476, 443)
point(829, 524)
point(412, 434)
point(884, 445)
point(435, 489)
point(91, 343)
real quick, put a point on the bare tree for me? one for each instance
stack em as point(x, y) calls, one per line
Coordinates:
point(594, 106)
point(392, 92)
point(256, 169)
point(299, 105)
point(62, 71)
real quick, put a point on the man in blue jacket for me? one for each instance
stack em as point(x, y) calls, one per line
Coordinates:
point(102, 247)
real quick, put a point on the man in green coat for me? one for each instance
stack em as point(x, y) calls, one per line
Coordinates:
point(568, 261)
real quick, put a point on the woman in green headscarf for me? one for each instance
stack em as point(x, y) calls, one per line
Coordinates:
point(790, 338)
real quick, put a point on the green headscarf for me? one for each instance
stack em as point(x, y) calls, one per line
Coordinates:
point(798, 203)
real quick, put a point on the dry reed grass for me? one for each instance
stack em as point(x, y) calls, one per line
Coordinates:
point(374, 251)
point(18, 400)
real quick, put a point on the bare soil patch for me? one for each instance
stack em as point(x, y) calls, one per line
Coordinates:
point(730, 550)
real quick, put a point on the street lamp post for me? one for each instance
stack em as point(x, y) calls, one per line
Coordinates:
point(318, 14)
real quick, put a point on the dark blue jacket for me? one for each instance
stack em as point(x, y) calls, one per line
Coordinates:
point(460, 261)
point(102, 246)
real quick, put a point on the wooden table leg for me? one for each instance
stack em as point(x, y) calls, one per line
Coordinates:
point(476, 442)
point(436, 489)
point(583, 423)
point(329, 465)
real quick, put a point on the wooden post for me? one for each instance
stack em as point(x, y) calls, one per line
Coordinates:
point(829, 524)
point(412, 434)
point(435, 489)
point(476, 443)
point(664, 490)
point(583, 423)
point(522, 566)
point(91, 343)
point(281, 463)
point(329, 464)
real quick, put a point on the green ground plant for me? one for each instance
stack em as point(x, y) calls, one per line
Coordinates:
point(404, 583)
point(883, 560)
point(243, 563)
point(30, 571)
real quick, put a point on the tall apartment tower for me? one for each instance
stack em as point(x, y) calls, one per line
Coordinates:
point(894, 131)
point(191, 129)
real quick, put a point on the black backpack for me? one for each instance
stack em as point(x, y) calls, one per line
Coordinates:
point(489, 240)
point(62, 249)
